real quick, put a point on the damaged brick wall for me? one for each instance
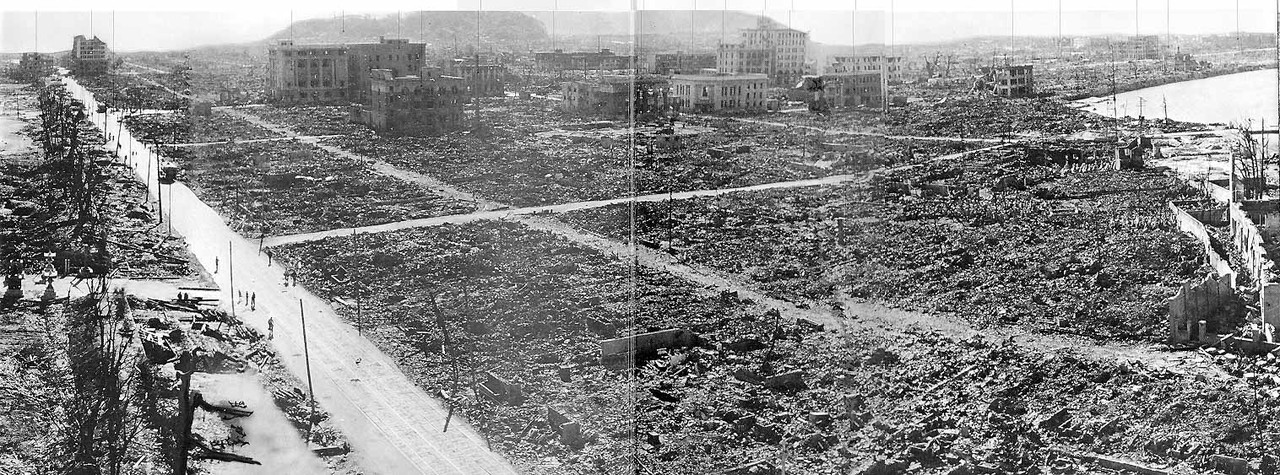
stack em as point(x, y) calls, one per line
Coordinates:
point(1192, 225)
point(1196, 302)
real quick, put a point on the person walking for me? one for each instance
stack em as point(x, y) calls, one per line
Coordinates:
point(215, 264)
point(253, 301)
point(271, 327)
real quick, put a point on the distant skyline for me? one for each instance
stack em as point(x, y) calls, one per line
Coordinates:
point(154, 25)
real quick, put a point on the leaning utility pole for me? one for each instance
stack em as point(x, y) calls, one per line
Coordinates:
point(306, 356)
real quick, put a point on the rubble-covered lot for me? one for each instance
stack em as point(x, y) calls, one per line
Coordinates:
point(870, 402)
point(524, 305)
point(755, 392)
point(131, 91)
point(994, 239)
point(287, 187)
point(527, 156)
point(180, 127)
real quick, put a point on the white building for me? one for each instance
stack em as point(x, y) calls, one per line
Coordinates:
point(703, 93)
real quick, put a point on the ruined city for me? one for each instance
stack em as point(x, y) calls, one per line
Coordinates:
point(736, 237)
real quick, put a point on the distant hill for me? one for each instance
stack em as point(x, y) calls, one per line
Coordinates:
point(659, 22)
point(439, 29)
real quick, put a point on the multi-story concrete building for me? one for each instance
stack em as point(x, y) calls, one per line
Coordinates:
point(715, 93)
point(869, 63)
point(332, 73)
point(559, 60)
point(33, 66)
point(1011, 81)
point(678, 62)
point(398, 55)
point(88, 56)
point(413, 105)
point(740, 59)
point(617, 95)
point(851, 89)
point(484, 79)
point(308, 73)
point(790, 48)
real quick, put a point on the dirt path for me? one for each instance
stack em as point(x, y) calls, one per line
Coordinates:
point(273, 139)
point(391, 422)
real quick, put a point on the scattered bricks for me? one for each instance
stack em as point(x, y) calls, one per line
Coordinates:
point(788, 380)
point(497, 389)
point(1056, 420)
point(646, 344)
point(1231, 465)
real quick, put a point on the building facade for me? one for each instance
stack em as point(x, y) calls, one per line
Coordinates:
point(739, 59)
point(559, 60)
point(790, 49)
point(679, 62)
point(719, 93)
point(398, 55)
point(851, 89)
point(33, 66)
point(316, 74)
point(870, 63)
point(617, 95)
point(484, 79)
point(413, 105)
point(1011, 81)
point(88, 56)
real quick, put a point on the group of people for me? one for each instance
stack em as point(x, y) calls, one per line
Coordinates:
point(247, 298)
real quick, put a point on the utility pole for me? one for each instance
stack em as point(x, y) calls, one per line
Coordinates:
point(306, 355)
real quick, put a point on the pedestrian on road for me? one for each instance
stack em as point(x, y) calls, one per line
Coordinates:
point(215, 264)
point(253, 301)
point(271, 328)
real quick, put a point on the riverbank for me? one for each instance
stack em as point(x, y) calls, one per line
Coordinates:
point(1105, 92)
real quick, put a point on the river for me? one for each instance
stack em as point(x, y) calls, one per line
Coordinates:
point(1233, 98)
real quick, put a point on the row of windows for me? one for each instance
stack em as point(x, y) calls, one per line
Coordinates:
point(302, 63)
point(316, 52)
point(319, 83)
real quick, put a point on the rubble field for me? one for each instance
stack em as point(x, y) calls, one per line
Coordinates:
point(996, 239)
point(287, 187)
point(526, 306)
point(180, 127)
point(132, 91)
point(548, 158)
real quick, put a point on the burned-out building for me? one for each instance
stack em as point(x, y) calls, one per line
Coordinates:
point(604, 59)
point(33, 66)
point(892, 65)
point(617, 95)
point(780, 53)
point(483, 79)
point(307, 73)
point(843, 90)
point(720, 92)
point(678, 62)
point(1010, 81)
point(332, 73)
point(89, 56)
point(413, 105)
point(397, 55)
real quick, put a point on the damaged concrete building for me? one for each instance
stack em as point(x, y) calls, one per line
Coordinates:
point(604, 59)
point(843, 90)
point(869, 63)
point(413, 105)
point(721, 92)
point(89, 56)
point(33, 66)
point(329, 73)
point(483, 79)
point(617, 95)
point(312, 74)
point(1011, 80)
point(678, 62)
point(780, 53)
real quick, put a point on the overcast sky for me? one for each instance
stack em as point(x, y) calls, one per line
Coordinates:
point(156, 24)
